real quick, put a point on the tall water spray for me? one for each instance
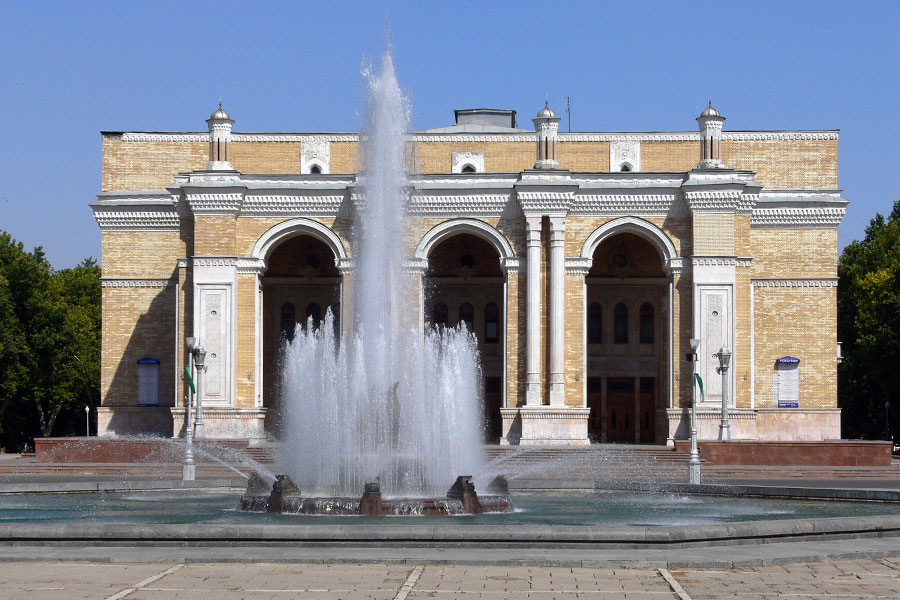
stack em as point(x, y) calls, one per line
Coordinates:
point(388, 401)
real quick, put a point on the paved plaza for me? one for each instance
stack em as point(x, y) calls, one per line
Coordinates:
point(869, 578)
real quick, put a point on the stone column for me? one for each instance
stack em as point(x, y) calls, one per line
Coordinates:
point(557, 310)
point(533, 311)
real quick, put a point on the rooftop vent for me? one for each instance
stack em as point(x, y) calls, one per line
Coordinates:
point(486, 116)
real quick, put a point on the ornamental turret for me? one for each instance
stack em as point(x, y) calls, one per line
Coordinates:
point(546, 125)
point(219, 140)
point(710, 121)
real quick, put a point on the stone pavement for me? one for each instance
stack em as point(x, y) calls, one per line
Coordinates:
point(864, 579)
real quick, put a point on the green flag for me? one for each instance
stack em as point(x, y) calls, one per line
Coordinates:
point(697, 375)
point(189, 379)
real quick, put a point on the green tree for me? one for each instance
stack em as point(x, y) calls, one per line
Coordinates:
point(869, 327)
point(49, 344)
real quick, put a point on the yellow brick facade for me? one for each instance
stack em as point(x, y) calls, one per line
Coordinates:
point(769, 319)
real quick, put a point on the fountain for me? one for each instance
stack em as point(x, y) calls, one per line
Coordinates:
point(385, 408)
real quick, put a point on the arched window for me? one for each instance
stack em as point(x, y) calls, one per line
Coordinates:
point(315, 170)
point(646, 323)
point(625, 168)
point(620, 323)
point(439, 315)
point(467, 260)
point(595, 324)
point(467, 315)
point(468, 169)
point(491, 323)
point(288, 320)
point(314, 312)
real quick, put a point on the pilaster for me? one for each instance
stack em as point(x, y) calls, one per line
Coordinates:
point(557, 310)
point(533, 310)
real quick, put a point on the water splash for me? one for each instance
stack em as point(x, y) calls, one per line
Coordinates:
point(386, 400)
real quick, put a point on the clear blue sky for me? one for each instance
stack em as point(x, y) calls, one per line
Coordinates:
point(72, 69)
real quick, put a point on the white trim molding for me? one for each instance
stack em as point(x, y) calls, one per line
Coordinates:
point(622, 153)
point(458, 204)
point(136, 283)
point(447, 229)
point(220, 202)
point(807, 217)
point(827, 282)
point(315, 153)
point(297, 202)
point(458, 160)
point(624, 204)
point(124, 219)
point(577, 265)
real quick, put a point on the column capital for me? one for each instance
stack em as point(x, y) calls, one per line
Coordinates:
point(344, 265)
point(415, 266)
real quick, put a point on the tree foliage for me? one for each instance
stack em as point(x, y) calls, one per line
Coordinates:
point(869, 327)
point(49, 345)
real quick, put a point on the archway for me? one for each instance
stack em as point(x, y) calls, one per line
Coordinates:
point(626, 314)
point(464, 283)
point(300, 284)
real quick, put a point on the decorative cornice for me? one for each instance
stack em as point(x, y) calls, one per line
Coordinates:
point(828, 282)
point(214, 261)
point(344, 265)
point(577, 265)
point(727, 200)
point(624, 204)
point(458, 204)
point(215, 203)
point(545, 201)
point(678, 265)
point(294, 205)
point(136, 283)
point(250, 266)
point(512, 264)
point(720, 261)
point(117, 219)
point(807, 217)
point(415, 266)
point(526, 136)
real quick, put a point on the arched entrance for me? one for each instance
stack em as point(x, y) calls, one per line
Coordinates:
point(464, 284)
point(300, 283)
point(626, 329)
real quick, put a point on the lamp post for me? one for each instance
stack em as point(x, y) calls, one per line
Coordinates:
point(694, 457)
point(188, 465)
point(199, 360)
point(724, 357)
point(87, 421)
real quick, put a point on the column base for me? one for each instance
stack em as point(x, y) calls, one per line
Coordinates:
point(545, 426)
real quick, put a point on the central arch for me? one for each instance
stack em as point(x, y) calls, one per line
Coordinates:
point(299, 280)
point(465, 282)
point(628, 330)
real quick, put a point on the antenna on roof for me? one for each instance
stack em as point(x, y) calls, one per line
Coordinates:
point(569, 111)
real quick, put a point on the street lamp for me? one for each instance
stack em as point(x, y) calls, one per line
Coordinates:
point(188, 465)
point(724, 428)
point(87, 420)
point(694, 457)
point(199, 360)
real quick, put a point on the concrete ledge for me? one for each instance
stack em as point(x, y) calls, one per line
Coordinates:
point(106, 485)
point(456, 535)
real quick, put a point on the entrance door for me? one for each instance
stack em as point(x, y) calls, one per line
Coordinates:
point(620, 410)
point(493, 400)
point(595, 403)
point(648, 410)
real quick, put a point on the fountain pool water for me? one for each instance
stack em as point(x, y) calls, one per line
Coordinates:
point(384, 402)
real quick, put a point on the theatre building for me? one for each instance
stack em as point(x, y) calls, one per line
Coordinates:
point(585, 263)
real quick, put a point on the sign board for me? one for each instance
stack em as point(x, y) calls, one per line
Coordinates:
point(788, 405)
point(148, 381)
point(787, 360)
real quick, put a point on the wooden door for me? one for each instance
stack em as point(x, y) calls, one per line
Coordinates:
point(648, 410)
point(620, 410)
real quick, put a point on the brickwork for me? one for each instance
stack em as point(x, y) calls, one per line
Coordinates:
point(266, 157)
point(740, 360)
point(785, 253)
point(574, 342)
point(799, 322)
point(344, 157)
point(516, 365)
point(137, 323)
point(583, 156)
point(148, 165)
point(713, 234)
point(436, 157)
point(214, 235)
point(788, 164)
point(140, 254)
point(245, 354)
point(669, 156)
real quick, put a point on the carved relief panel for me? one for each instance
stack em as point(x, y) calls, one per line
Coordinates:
point(215, 317)
point(716, 325)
